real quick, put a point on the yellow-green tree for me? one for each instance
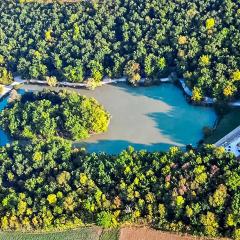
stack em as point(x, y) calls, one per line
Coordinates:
point(197, 94)
point(48, 35)
point(204, 60)
point(209, 221)
point(229, 90)
point(132, 71)
point(210, 23)
point(51, 81)
point(236, 75)
point(52, 198)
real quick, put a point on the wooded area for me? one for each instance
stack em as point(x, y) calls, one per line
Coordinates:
point(45, 114)
point(47, 185)
point(141, 38)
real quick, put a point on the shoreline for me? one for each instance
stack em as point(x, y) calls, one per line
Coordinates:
point(207, 101)
point(143, 82)
point(162, 109)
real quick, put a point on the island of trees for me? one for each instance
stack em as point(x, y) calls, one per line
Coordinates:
point(198, 39)
point(50, 113)
point(47, 184)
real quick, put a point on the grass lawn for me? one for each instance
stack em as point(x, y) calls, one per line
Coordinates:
point(110, 234)
point(226, 125)
point(90, 233)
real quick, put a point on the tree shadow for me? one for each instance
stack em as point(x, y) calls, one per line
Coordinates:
point(3, 138)
point(157, 92)
point(117, 146)
point(183, 122)
point(177, 121)
point(172, 126)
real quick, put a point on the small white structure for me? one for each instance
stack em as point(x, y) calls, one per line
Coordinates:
point(231, 142)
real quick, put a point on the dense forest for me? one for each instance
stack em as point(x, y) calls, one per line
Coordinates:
point(47, 184)
point(49, 113)
point(198, 39)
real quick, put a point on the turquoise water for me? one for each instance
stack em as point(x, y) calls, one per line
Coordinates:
point(152, 118)
point(4, 139)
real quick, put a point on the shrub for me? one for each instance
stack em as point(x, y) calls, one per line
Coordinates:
point(106, 220)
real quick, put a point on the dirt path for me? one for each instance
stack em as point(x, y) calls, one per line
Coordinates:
point(144, 233)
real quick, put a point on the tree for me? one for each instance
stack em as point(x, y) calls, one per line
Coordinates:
point(210, 224)
point(229, 90)
point(49, 113)
point(196, 94)
point(106, 220)
point(78, 184)
point(48, 36)
point(219, 197)
point(52, 198)
point(132, 70)
point(236, 75)
point(149, 65)
point(5, 76)
point(103, 47)
point(74, 74)
point(182, 40)
point(51, 81)
point(204, 60)
point(210, 23)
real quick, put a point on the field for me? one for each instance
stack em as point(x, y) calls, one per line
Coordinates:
point(226, 125)
point(110, 235)
point(87, 233)
point(96, 233)
point(145, 233)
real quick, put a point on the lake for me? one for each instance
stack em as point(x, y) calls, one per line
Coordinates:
point(152, 118)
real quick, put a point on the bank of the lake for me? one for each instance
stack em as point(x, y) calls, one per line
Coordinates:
point(4, 138)
point(152, 118)
point(227, 123)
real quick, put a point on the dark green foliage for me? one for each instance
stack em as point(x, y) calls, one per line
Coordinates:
point(46, 184)
point(50, 113)
point(198, 39)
